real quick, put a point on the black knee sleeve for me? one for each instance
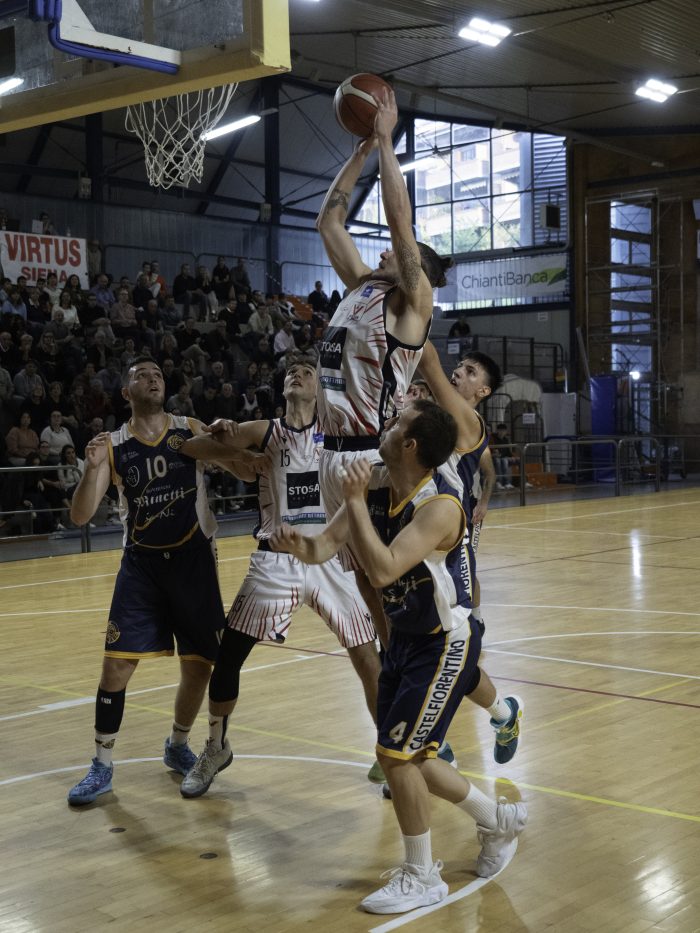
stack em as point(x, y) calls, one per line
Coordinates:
point(109, 710)
point(473, 683)
point(226, 676)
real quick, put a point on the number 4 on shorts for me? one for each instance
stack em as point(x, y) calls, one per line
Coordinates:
point(396, 734)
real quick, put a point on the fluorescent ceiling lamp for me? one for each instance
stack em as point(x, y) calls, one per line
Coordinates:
point(635, 375)
point(231, 127)
point(657, 91)
point(417, 164)
point(10, 84)
point(485, 32)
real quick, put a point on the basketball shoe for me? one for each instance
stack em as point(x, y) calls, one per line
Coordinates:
point(97, 781)
point(178, 758)
point(507, 733)
point(406, 889)
point(198, 779)
point(498, 845)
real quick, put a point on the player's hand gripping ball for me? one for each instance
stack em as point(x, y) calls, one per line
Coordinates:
point(355, 107)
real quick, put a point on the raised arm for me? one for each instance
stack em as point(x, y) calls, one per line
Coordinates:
point(413, 282)
point(447, 397)
point(230, 437)
point(94, 481)
point(488, 484)
point(330, 223)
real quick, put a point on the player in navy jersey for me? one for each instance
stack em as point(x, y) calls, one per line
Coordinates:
point(373, 344)
point(406, 526)
point(474, 379)
point(167, 590)
point(276, 585)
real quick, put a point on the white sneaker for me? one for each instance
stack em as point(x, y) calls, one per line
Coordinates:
point(406, 890)
point(500, 487)
point(498, 845)
point(198, 779)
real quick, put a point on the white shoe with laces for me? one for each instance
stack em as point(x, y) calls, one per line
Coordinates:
point(406, 890)
point(498, 845)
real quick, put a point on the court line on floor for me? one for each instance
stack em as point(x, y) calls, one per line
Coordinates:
point(513, 641)
point(614, 667)
point(659, 612)
point(583, 517)
point(602, 693)
point(598, 532)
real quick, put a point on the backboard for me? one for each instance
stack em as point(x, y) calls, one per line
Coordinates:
point(204, 43)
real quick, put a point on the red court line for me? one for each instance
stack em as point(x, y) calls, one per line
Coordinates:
point(515, 680)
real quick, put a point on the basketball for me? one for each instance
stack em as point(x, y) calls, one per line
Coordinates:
point(355, 108)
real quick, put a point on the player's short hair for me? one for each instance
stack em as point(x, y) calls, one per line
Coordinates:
point(490, 366)
point(435, 432)
point(142, 358)
point(434, 266)
point(293, 358)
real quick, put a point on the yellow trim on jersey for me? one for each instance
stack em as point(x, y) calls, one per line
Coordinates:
point(163, 547)
point(468, 450)
point(394, 510)
point(463, 520)
point(430, 751)
point(195, 657)
point(142, 440)
point(130, 655)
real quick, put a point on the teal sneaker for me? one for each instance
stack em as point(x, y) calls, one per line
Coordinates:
point(178, 758)
point(508, 733)
point(97, 781)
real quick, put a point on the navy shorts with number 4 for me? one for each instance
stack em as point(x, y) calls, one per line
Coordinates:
point(166, 597)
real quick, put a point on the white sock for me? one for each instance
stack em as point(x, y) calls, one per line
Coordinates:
point(419, 852)
point(500, 710)
point(103, 746)
point(179, 735)
point(480, 807)
point(476, 612)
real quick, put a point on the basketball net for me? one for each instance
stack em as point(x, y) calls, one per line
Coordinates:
point(171, 131)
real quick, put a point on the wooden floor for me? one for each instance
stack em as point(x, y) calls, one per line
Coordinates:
point(593, 618)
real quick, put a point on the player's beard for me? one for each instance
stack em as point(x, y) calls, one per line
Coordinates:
point(151, 404)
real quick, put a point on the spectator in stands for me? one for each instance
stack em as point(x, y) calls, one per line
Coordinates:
point(36, 316)
point(260, 322)
point(128, 354)
point(502, 454)
point(48, 357)
point(142, 293)
point(461, 330)
point(111, 377)
point(157, 281)
point(318, 299)
point(263, 352)
point(181, 403)
point(69, 476)
point(150, 324)
point(226, 402)
point(221, 278)
point(245, 307)
point(247, 403)
point(217, 375)
point(168, 350)
point(305, 340)
point(62, 333)
point(9, 353)
point(205, 404)
point(68, 309)
point(56, 399)
point(77, 406)
point(188, 342)
point(284, 341)
point(239, 276)
point(123, 317)
point(87, 432)
point(14, 304)
point(103, 293)
point(219, 346)
point(98, 405)
point(229, 314)
point(26, 349)
point(22, 440)
point(34, 497)
point(188, 376)
point(184, 287)
point(333, 302)
point(94, 259)
point(53, 289)
point(38, 408)
point(204, 288)
point(27, 380)
point(99, 352)
point(56, 435)
point(6, 388)
point(48, 227)
point(74, 288)
point(171, 377)
point(93, 319)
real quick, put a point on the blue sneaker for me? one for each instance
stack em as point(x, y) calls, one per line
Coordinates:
point(97, 781)
point(507, 733)
point(178, 758)
point(445, 752)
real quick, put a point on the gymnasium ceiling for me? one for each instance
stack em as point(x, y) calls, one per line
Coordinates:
point(570, 67)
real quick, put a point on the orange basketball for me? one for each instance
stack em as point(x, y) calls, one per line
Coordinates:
point(355, 108)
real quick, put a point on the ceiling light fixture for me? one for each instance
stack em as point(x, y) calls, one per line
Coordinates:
point(485, 32)
point(231, 127)
point(10, 84)
point(658, 91)
point(418, 164)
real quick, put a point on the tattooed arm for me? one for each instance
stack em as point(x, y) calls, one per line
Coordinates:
point(417, 294)
point(341, 249)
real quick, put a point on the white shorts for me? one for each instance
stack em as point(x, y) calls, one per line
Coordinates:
point(331, 483)
point(276, 585)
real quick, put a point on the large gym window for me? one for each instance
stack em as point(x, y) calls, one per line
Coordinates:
point(484, 189)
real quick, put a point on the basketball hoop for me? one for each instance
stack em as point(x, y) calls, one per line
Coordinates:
point(172, 130)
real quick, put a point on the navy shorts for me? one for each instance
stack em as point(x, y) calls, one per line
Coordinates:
point(166, 597)
point(422, 683)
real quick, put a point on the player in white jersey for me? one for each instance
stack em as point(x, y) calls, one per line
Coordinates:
point(408, 535)
point(276, 585)
point(371, 349)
